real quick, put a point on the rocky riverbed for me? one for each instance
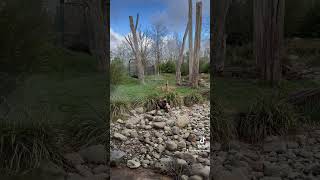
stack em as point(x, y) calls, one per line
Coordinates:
point(165, 142)
point(146, 141)
point(294, 157)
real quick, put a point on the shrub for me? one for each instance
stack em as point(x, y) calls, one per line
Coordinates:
point(268, 116)
point(117, 71)
point(168, 67)
point(193, 98)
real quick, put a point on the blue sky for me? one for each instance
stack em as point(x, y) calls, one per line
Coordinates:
point(172, 13)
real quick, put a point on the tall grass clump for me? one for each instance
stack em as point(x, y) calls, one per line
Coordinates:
point(24, 145)
point(150, 101)
point(222, 128)
point(174, 99)
point(268, 116)
point(86, 131)
point(119, 106)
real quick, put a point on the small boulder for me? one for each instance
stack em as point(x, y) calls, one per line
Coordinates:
point(133, 164)
point(94, 154)
point(171, 145)
point(120, 137)
point(182, 121)
point(159, 125)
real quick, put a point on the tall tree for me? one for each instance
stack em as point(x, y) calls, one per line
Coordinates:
point(197, 43)
point(190, 41)
point(97, 16)
point(135, 48)
point(144, 43)
point(158, 32)
point(180, 60)
point(269, 22)
point(220, 11)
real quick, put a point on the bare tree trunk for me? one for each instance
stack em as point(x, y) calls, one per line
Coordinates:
point(180, 60)
point(269, 22)
point(98, 25)
point(190, 42)
point(220, 11)
point(195, 74)
point(137, 53)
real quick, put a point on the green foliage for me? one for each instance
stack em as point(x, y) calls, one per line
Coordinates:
point(268, 116)
point(193, 98)
point(118, 71)
point(168, 67)
point(185, 69)
point(24, 144)
point(24, 30)
point(204, 65)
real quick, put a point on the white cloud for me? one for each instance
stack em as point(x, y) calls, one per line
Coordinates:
point(115, 39)
point(176, 14)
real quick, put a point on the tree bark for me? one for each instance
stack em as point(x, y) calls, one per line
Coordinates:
point(180, 60)
point(197, 45)
point(137, 53)
point(190, 42)
point(220, 11)
point(97, 16)
point(268, 35)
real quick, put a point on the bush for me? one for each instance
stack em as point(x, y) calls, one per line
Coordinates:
point(184, 69)
point(117, 71)
point(168, 67)
point(268, 116)
point(193, 98)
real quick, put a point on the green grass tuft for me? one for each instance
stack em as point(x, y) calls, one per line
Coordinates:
point(23, 145)
point(268, 116)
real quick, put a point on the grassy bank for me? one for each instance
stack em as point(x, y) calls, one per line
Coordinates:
point(130, 94)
